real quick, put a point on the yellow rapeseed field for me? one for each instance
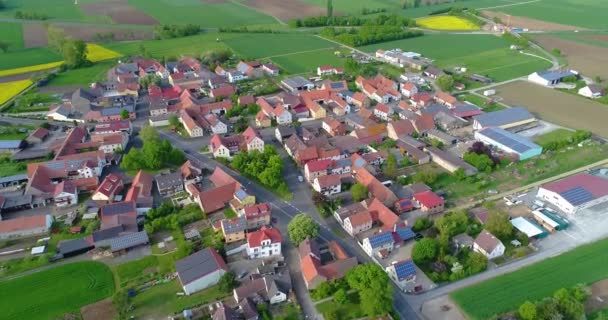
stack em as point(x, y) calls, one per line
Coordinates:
point(38, 67)
point(446, 23)
point(10, 89)
point(96, 53)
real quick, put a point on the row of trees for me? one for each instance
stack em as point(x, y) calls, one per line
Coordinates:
point(369, 34)
point(74, 51)
point(567, 140)
point(352, 21)
point(564, 304)
point(155, 153)
point(30, 15)
point(266, 167)
point(166, 31)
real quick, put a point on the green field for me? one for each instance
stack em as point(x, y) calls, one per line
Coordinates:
point(225, 14)
point(583, 13)
point(585, 264)
point(27, 57)
point(83, 76)
point(484, 54)
point(354, 7)
point(194, 45)
point(12, 33)
point(51, 293)
point(349, 310)
point(260, 45)
point(308, 61)
point(59, 10)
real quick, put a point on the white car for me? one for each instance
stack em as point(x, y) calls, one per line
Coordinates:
point(301, 179)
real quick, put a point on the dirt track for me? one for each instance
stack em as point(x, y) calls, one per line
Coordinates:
point(532, 24)
point(286, 9)
point(561, 108)
point(34, 34)
point(590, 60)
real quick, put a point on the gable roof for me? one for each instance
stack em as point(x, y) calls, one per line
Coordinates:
point(380, 239)
point(402, 127)
point(404, 269)
point(580, 188)
point(487, 241)
point(429, 199)
point(198, 265)
point(254, 239)
point(503, 117)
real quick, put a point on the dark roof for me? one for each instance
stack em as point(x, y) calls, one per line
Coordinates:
point(118, 208)
point(17, 177)
point(169, 180)
point(513, 141)
point(10, 144)
point(554, 75)
point(129, 240)
point(198, 265)
point(75, 245)
point(108, 233)
point(503, 117)
point(380, 239)
point(405, 269)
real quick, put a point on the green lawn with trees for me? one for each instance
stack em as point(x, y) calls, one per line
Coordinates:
point(509, 291)
point(265, 167)
point(155, 154)
point(51, 293)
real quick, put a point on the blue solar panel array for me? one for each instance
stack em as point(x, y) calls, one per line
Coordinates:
point(380, 239)
point(510, 140)
point(577, 196)
point(336, 85)
point(405, 269)
point(405, 233)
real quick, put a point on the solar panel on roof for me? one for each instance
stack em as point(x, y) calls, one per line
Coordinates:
point(405, 233)
point(405, 269)
point(510, 140)
point(335, 85)
point(380, 239)
point(577, 196)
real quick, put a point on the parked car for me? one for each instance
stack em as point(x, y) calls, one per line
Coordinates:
point(301, 179)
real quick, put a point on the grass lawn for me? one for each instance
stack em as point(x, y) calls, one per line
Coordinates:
point(135, 269)
point(203, 13)
point(27, 57)
point(555, 135)
point(11, 168)
point(83, 76)
point(260, 45)
point(51, 293)
point(65, 10)
point(350, 310)
point(480, 102)
point(194, 45)
point(308, 61)
point(568, 12)
point(161, 301)
point(507, 292)
point(354, 7)
point(12, 33)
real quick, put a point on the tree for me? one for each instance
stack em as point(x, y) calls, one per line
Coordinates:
point(460, 174)
point(390, 167)
point(4, 46)
point(173, 120)
point(56, 38)
point(475, 263)
point(422, 223)
point(480, 161)
point(445, 82)
point(375, 291)
point(74, 53)
point(332, 314)
point(499, 225)
point(527, 311)
point(341, 297)
point(425, 250)
point(149, 133)
point(124, 114)
point(426, 176)
point(228, 282)
point(149, 80)
point(302, 226)
point(358, 191)
point(330, 8)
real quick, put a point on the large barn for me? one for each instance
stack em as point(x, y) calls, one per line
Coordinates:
point(575, 193)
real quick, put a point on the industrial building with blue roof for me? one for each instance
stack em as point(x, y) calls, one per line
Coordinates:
point(509, 142)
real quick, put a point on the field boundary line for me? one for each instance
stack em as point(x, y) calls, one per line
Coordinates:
point(505, 66)
point(259, 11)
point(510, 5)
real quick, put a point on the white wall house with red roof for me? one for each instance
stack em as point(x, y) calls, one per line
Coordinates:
point(264, 243)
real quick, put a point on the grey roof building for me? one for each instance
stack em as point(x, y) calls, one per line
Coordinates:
point(169, 183)
point(128, 241)
point(10, 145)
point(505, 119)
point(198, 265)
point(298, 83)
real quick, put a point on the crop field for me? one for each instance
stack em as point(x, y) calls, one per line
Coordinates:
point(26, 57)
point(484, 54)
point(446, 22)
point(12, 33)
point(424, 10)
point(557, 107)
point(83, 76)
point(51, 293)
point(590, 14)
point(256, 45)
point(60, 10)
point(507, 292)
point(194, 45)
point(354, 7)
point(308, 61)
point(96, 53)
point(203, 13)
point(10, 89)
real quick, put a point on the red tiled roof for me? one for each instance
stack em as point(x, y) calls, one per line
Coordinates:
point(245, 100)
point(380, 212)
point(360, 218)
point(224, 91)
point(329, 180)
point(254, 239)
point(220, 178)
point(216, 198)
point(424, 122)
point(382, 108)
point(23, 223)
point(429, 199)
point(596, 186)
point(40, 133)
point(445, 97)
point(257, 211)
point(318, 165)
point(110, 185)
point(311, 268)
point(402, 127)
point(487, 241)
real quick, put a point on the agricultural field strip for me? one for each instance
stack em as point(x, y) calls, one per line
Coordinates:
point(298, 52)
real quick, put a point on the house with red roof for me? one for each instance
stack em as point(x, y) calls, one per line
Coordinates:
point(445, 99)
point(429, 202)
point(375, 187)
point(224, 91)
point(264, 243)
point(358, 222)
point(328, 70)
point(110, 187)
point(38, 136)
point(226, 147)
point(256, 215)
point(246, 100)
point(383, 111)
point(25, 226)
point(575, 193)
point(488, 245)
point(409, 89)
point(141, 190)
point(328, 184)
point(379, 88)
point(360, 100)
point(421, 99)
point(399, 128)
point(333, 127)
point(315, 271)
